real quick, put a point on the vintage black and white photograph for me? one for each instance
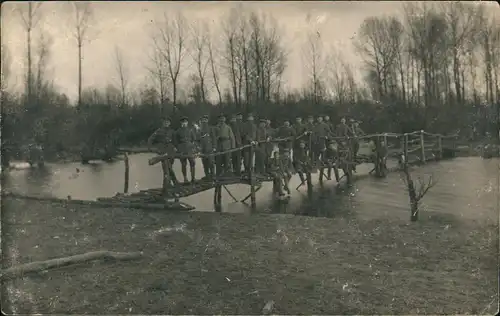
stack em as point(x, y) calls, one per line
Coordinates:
point(250, 157)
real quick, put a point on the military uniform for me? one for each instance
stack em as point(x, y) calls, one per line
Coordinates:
point(286, 131)
point(271, 133)
point(224, 137)
point(249, 135)
point(207, 146)
point(356, 132)
point(164, 137)
point(279, 168)
point(301, 160)
point(300, 131)
point(309, 126)
point(321, 134)
point(261, 152)
point(185, 142)
point(237, 127)
point(329, 159)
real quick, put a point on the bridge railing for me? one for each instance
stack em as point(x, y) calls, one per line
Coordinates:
point(413, 143)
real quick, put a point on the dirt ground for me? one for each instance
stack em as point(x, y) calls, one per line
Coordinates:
point(207, 263)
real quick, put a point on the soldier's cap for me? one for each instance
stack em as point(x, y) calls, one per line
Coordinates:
point(298, 118)
point(249, 115)
point(239, 114)
point(205, 117)
point(184, 119)
point(263, 120)
point(286, 120)
point(166, 119)
point(221, 117)
point(234, 115)
point(310, 116)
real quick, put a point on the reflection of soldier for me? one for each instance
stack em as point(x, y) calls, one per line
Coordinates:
point(185, 140)
point(301, 160)
point(164, 137)
point(225, 141)
point(236, 126)
point(261, 152)
point(249, 135)
point(286, 131)
point(207, 146)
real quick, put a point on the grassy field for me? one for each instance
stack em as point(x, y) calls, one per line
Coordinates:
point(206, 263)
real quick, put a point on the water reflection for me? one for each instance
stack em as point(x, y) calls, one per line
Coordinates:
point(466, 187)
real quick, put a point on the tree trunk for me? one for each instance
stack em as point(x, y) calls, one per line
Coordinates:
point(79, 73)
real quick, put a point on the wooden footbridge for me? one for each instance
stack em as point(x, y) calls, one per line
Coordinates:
point(417, 148)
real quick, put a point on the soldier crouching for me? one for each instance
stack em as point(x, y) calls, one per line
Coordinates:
point(301, 160)
point(330, 161)
point(281, 176)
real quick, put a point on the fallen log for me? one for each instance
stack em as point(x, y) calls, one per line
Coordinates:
point(38, 266)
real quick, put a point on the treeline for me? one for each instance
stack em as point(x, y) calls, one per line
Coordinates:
point(435, 67)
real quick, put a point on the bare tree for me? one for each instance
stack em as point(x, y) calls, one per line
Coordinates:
point(200, 40)
point(30, 16)
point(158, 72)
point(416, 191)
point(171, 43)
point(313, 54)
point(42, 59)
point(82, 21)
point(215, 74)
point(122, 73)
point(4, 69)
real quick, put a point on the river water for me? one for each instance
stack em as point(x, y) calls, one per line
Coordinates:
point(466, 187)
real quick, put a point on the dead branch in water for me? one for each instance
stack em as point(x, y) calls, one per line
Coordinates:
point(38, 266)
point(416, 191)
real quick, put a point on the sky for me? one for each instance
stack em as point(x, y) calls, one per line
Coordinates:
point(127, 25)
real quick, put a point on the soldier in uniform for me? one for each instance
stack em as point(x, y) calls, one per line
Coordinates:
point(356, 132)
point(225, 141)
point(327, 121)
point(249, 136)
point(286, 131)
point(280, 174)
point(261, 152)
point(321, 133)
point(300, 131)
point(236, 155)
point(309, 126)
point(271, 133)
point(301, 160)
point(185, 143)
point(164, 137)
point(329, 159)
point(207, 146)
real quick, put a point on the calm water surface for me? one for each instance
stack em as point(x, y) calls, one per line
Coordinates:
point(466, 187)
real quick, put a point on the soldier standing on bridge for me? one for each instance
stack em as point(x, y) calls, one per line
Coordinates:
point(271, 133)
point(207, 146)
point(309, 131)
point(236, 155)
point(185, 141)
point(249, 137)
point(356, 132)
point(277, 169)
point(164, 137)
point(286, 131)
point(261, 153)
point(300, 131)
point(321, 133)
point(327, 121)
point(225, 141)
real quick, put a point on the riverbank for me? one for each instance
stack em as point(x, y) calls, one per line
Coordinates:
point(207, 263)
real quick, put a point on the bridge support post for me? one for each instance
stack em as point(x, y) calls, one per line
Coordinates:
point(405, 147)
point(422, 145)
point(218, 198)
point(440, 147)
point(251, 175)
point(127, 172)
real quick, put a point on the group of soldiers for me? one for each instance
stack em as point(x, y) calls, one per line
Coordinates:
point(225, 148)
